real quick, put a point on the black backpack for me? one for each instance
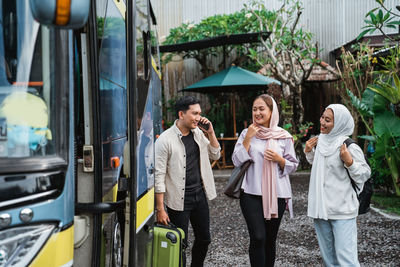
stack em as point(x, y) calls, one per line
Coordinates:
point(364, 197)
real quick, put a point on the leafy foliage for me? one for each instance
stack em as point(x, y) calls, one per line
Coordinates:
point(379, 19)
point(380, 103)
point(385, 133)
point(387, 83)
point(227, 24)
point(302, 132)
point(380, 173)
point(387, 202)
point(288, 53)
point(217, 115)
point(238, 22)
point(355, 71)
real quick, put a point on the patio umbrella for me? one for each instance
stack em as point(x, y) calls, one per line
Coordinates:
point(232, 79)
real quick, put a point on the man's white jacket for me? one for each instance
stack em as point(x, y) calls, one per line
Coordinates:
point(170, 166)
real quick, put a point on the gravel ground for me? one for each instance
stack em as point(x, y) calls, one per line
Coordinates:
point(378, 236)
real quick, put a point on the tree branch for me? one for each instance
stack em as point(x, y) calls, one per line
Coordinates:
point(296, 21)
point(385, 8)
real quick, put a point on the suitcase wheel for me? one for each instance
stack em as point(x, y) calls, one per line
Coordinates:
point(172, 237)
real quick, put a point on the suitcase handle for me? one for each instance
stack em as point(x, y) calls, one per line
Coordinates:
point(170, 224)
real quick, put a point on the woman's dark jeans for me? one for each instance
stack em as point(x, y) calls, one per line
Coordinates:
point(197, 212)
point(262, 232)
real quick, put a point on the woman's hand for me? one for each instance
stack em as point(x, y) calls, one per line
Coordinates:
point(275, 157)
point(346, 156)
point(251, 132)
point(312, 142)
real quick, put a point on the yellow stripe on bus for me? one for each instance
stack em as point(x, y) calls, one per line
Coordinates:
point(121, 7)
point(110, 196)
point(58, 250)
point(154, 64)
point(144, 209)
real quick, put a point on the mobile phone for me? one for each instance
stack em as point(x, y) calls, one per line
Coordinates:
point(203, 125)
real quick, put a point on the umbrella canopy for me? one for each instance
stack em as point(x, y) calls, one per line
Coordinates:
point(232, 79)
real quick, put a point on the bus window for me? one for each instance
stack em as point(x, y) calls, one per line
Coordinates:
point(142, 29)
point(112, 85)
point(145, 150)
point(112, 68)
point(27, 95)
point(156, 79)
point(142, 55)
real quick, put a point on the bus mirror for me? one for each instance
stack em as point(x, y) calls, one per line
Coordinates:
point(62, 13)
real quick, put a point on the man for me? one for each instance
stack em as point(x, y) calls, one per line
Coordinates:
point(183, 175)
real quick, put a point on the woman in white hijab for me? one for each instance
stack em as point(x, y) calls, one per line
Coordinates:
point(332, 202)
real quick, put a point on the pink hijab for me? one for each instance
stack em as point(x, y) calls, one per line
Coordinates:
point(268, 181)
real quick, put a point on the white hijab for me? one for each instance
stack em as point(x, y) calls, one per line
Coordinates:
point(328, 144)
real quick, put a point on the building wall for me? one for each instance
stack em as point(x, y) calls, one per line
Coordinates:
point(334, 23)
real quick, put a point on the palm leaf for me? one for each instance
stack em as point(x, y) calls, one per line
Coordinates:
point(359, 105)
point(387, 90)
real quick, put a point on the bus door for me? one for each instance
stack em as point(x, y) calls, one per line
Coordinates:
point(143, 114)
point(120, 158)
point(103, 50)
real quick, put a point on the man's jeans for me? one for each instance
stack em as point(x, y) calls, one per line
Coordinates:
point(196, 210)
point(337, 241)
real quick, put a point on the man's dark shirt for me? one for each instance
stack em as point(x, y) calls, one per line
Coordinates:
point(193, 176)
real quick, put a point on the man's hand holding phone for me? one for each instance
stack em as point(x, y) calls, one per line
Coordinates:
point(205, 125)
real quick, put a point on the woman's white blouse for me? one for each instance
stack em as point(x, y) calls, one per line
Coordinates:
point(252, 181)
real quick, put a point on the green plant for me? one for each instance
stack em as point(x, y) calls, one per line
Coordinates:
point(217, 115)
point(286, 112)
point(387, 83)
point(169, 108)
point(238, 22)
point(288, 53)
point(227, 24)
point(380, 173)
point(379, 106)
point(300, 134)
point(389, 203)
point(387, 107)
point(379, 19)
point(355, 73)
point(385, 131)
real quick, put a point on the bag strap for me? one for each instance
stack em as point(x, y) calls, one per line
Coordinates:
point(348, 142)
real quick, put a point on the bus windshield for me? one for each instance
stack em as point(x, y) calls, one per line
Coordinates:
point(27, 98)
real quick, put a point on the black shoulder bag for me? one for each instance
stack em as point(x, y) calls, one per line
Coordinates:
point(233, 188)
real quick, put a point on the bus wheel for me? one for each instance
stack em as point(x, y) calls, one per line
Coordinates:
point(117, 246)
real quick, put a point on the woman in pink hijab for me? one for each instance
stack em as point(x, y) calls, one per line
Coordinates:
point(266, 186)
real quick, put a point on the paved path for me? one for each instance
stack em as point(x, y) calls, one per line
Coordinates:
point(378, 236)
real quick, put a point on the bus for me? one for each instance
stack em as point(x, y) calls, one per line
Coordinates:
point(80, 108)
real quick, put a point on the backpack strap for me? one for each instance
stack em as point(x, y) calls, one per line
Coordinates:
point(348, 142)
